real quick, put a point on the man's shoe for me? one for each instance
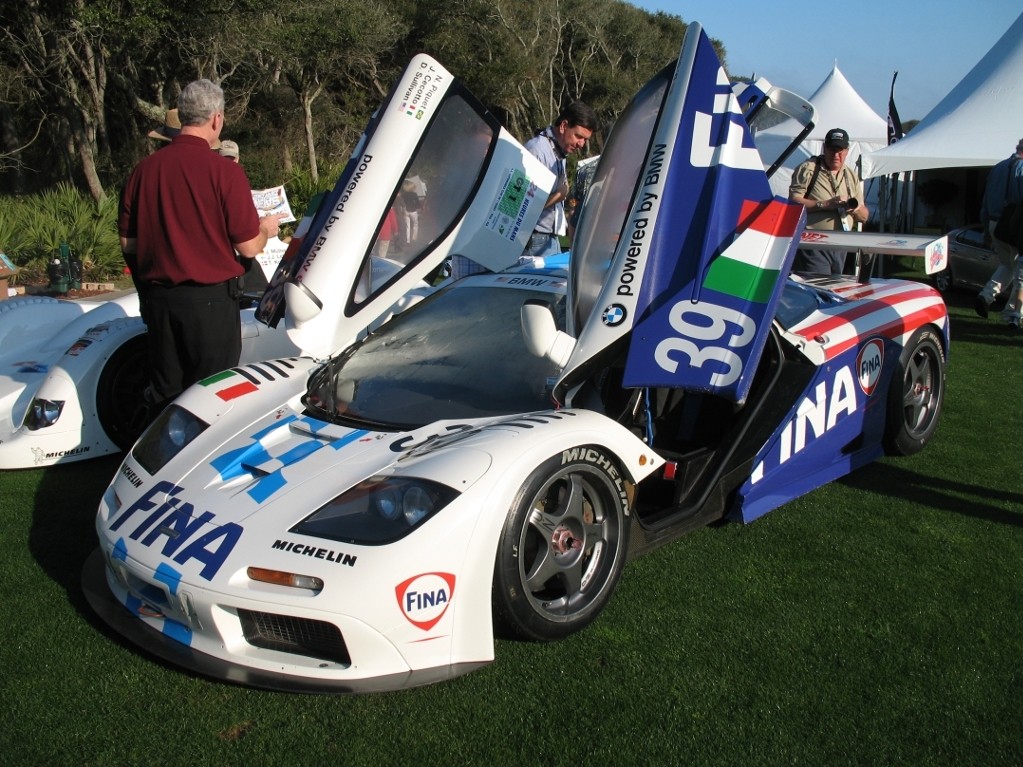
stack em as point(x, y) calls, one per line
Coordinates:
point(981, 306)
point(1013, 328)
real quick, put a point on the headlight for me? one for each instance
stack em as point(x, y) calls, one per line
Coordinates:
point(379, 510)
point(174, 428)
point(43, 413)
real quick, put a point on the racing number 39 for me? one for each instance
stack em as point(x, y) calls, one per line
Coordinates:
point(706, 322)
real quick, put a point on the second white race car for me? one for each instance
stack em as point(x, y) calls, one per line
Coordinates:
point(73, 376)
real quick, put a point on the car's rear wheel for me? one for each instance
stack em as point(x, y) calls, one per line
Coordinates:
point(916, 393)
point(563, 546)
point(120, 401)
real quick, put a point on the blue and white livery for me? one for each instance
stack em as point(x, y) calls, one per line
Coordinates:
point(489, 459)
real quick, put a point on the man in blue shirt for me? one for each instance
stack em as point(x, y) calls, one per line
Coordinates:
point(551, 146)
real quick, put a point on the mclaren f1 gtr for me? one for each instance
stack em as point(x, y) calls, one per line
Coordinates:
point(367, 516)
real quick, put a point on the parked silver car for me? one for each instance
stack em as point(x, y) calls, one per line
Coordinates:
point(971, 260)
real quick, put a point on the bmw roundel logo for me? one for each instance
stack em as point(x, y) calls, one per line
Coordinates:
point(614, 315)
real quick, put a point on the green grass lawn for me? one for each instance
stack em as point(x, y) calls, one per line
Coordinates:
point(875, 621)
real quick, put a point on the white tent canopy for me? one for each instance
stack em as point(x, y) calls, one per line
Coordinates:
point(976, 125)
point(837, 105)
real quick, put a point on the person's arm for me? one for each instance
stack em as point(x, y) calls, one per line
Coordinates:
point(861, 213)
point(799, 194)
point(558, 194)
point(129, 249)
point(269, 226)
point(542, 152)
point(800, 198)
point(798, 187)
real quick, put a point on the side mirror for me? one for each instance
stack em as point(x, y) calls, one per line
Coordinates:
point(541, 335)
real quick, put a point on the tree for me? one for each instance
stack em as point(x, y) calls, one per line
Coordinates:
point(59, 47)
point(327, 46)
point(91, 77)
point(527, 58)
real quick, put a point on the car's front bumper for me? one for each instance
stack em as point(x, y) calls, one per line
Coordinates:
point(99, 594)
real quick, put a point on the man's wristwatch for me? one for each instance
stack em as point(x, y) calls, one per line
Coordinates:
point(820, 204)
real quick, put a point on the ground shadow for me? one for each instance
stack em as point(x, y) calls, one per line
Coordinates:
point(991, 504)
point(967, 325)
point(63, 531)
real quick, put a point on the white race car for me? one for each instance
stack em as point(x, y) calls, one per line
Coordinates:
point(72, 375)
point(494, 455)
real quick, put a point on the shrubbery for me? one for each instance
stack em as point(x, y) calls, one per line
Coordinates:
point(32, 227)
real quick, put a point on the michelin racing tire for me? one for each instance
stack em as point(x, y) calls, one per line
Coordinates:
point(120, 403)
point(563, 547)
point(916, 393)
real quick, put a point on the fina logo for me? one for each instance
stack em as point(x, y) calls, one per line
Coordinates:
point(614, 315)
point(424, 599)
point(868, 365)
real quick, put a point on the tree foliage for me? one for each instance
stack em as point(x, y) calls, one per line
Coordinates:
point(83, 81)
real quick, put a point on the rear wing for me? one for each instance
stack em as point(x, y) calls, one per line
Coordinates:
point(934, 250)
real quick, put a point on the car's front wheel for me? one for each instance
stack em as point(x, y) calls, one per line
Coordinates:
point(563, 546)
point(916, 393)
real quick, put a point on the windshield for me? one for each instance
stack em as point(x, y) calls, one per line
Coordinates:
point(458, 354)
point(796, 303)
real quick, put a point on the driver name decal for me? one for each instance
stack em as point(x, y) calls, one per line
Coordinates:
point(423, 599)
point(424, 86)
point(175, 527)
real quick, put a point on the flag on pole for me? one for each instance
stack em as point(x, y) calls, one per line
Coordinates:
point(894, 123)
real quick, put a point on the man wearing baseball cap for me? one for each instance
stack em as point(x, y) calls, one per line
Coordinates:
point(833, 198)
point(229, 149)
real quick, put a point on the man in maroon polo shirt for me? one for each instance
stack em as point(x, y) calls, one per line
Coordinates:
point(185, 213)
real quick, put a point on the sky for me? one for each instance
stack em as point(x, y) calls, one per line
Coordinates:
point(932, 44)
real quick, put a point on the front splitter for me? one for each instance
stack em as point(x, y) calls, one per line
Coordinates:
point(118, 618)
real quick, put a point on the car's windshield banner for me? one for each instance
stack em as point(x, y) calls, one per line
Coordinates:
point(719, 252)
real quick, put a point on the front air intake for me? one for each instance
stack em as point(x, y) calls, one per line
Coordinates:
point(299, 636)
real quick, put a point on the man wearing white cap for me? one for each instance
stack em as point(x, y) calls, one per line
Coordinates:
point(229, 149)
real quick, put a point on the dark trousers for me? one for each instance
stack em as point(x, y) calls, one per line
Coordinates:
point(194, 332)
point(819, 262)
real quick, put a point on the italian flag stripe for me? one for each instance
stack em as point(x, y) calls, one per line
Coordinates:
point(735, 278)
point(233, 392)
point(217, 378)
point(751, 266)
